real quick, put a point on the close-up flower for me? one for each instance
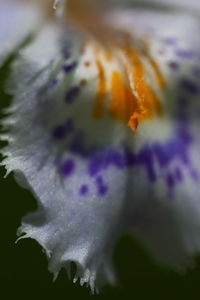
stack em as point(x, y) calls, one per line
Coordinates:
point(103, 128)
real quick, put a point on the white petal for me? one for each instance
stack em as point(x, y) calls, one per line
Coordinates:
point(95, 179)
point(166, 210)
point(79, 207)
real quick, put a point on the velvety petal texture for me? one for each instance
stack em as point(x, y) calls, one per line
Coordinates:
point(104, 130)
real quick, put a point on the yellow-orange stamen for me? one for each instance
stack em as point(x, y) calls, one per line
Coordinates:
point(123, 102)
point(147, 100)
point(132, 99)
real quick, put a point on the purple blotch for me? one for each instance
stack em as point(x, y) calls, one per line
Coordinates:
point(105, 159)
point(68, 168)
point(84, 190)
point(72, 93)
point(189, 86)
point(53, 83)
point(61, 131)
point(182, 53)
point(102, 188)
point(173, 65)
point(145, 158)
point(170, 41)
point(164, 153)
point(114, 158)
point(78, 146)
point(176, 148)
point(68, 68)
point(96, 164)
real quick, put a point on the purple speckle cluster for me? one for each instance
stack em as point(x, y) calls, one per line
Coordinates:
point(175, 149)
point(68, 168)
point(53, 83)
point(72, 94)
point(102, 188)
point(84, 190)
point(163, 155)
point(69, 67)
point(62, 131)
point(174, 65)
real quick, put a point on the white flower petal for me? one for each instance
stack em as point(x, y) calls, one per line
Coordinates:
point(93, 177)
point(166, 212)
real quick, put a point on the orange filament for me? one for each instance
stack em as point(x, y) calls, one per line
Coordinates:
point(101, 92)
point(147, 100)
point(127, 105)
point(123, 102)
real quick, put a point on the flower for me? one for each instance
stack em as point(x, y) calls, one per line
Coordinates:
point(104, 128)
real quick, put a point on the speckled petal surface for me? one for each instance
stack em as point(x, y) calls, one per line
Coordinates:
point(107, 140)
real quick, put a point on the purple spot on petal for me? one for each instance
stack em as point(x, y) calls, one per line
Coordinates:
point(68, 168)
point(84, 190)
point(72, 94)
point(173, 65)
point(170, 41)
point(187, 54)
point(68, 68)
point(145, 157)
point(114, 158)
point(53, 83)
point(95, 165)
point(102, 188)
point(62, 131)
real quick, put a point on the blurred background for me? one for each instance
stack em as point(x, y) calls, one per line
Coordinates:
point(23, 266)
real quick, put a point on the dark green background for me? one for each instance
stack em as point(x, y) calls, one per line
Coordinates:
point(23, 266)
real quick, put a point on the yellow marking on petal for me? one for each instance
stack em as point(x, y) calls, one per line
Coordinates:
point(122, 76)
point(148, 102)
point(101, 92)
point(83, 82)
point(123, 102)
point(87, 64)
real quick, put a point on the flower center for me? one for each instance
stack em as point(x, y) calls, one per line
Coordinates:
point(124, 66)
point(124, 90)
